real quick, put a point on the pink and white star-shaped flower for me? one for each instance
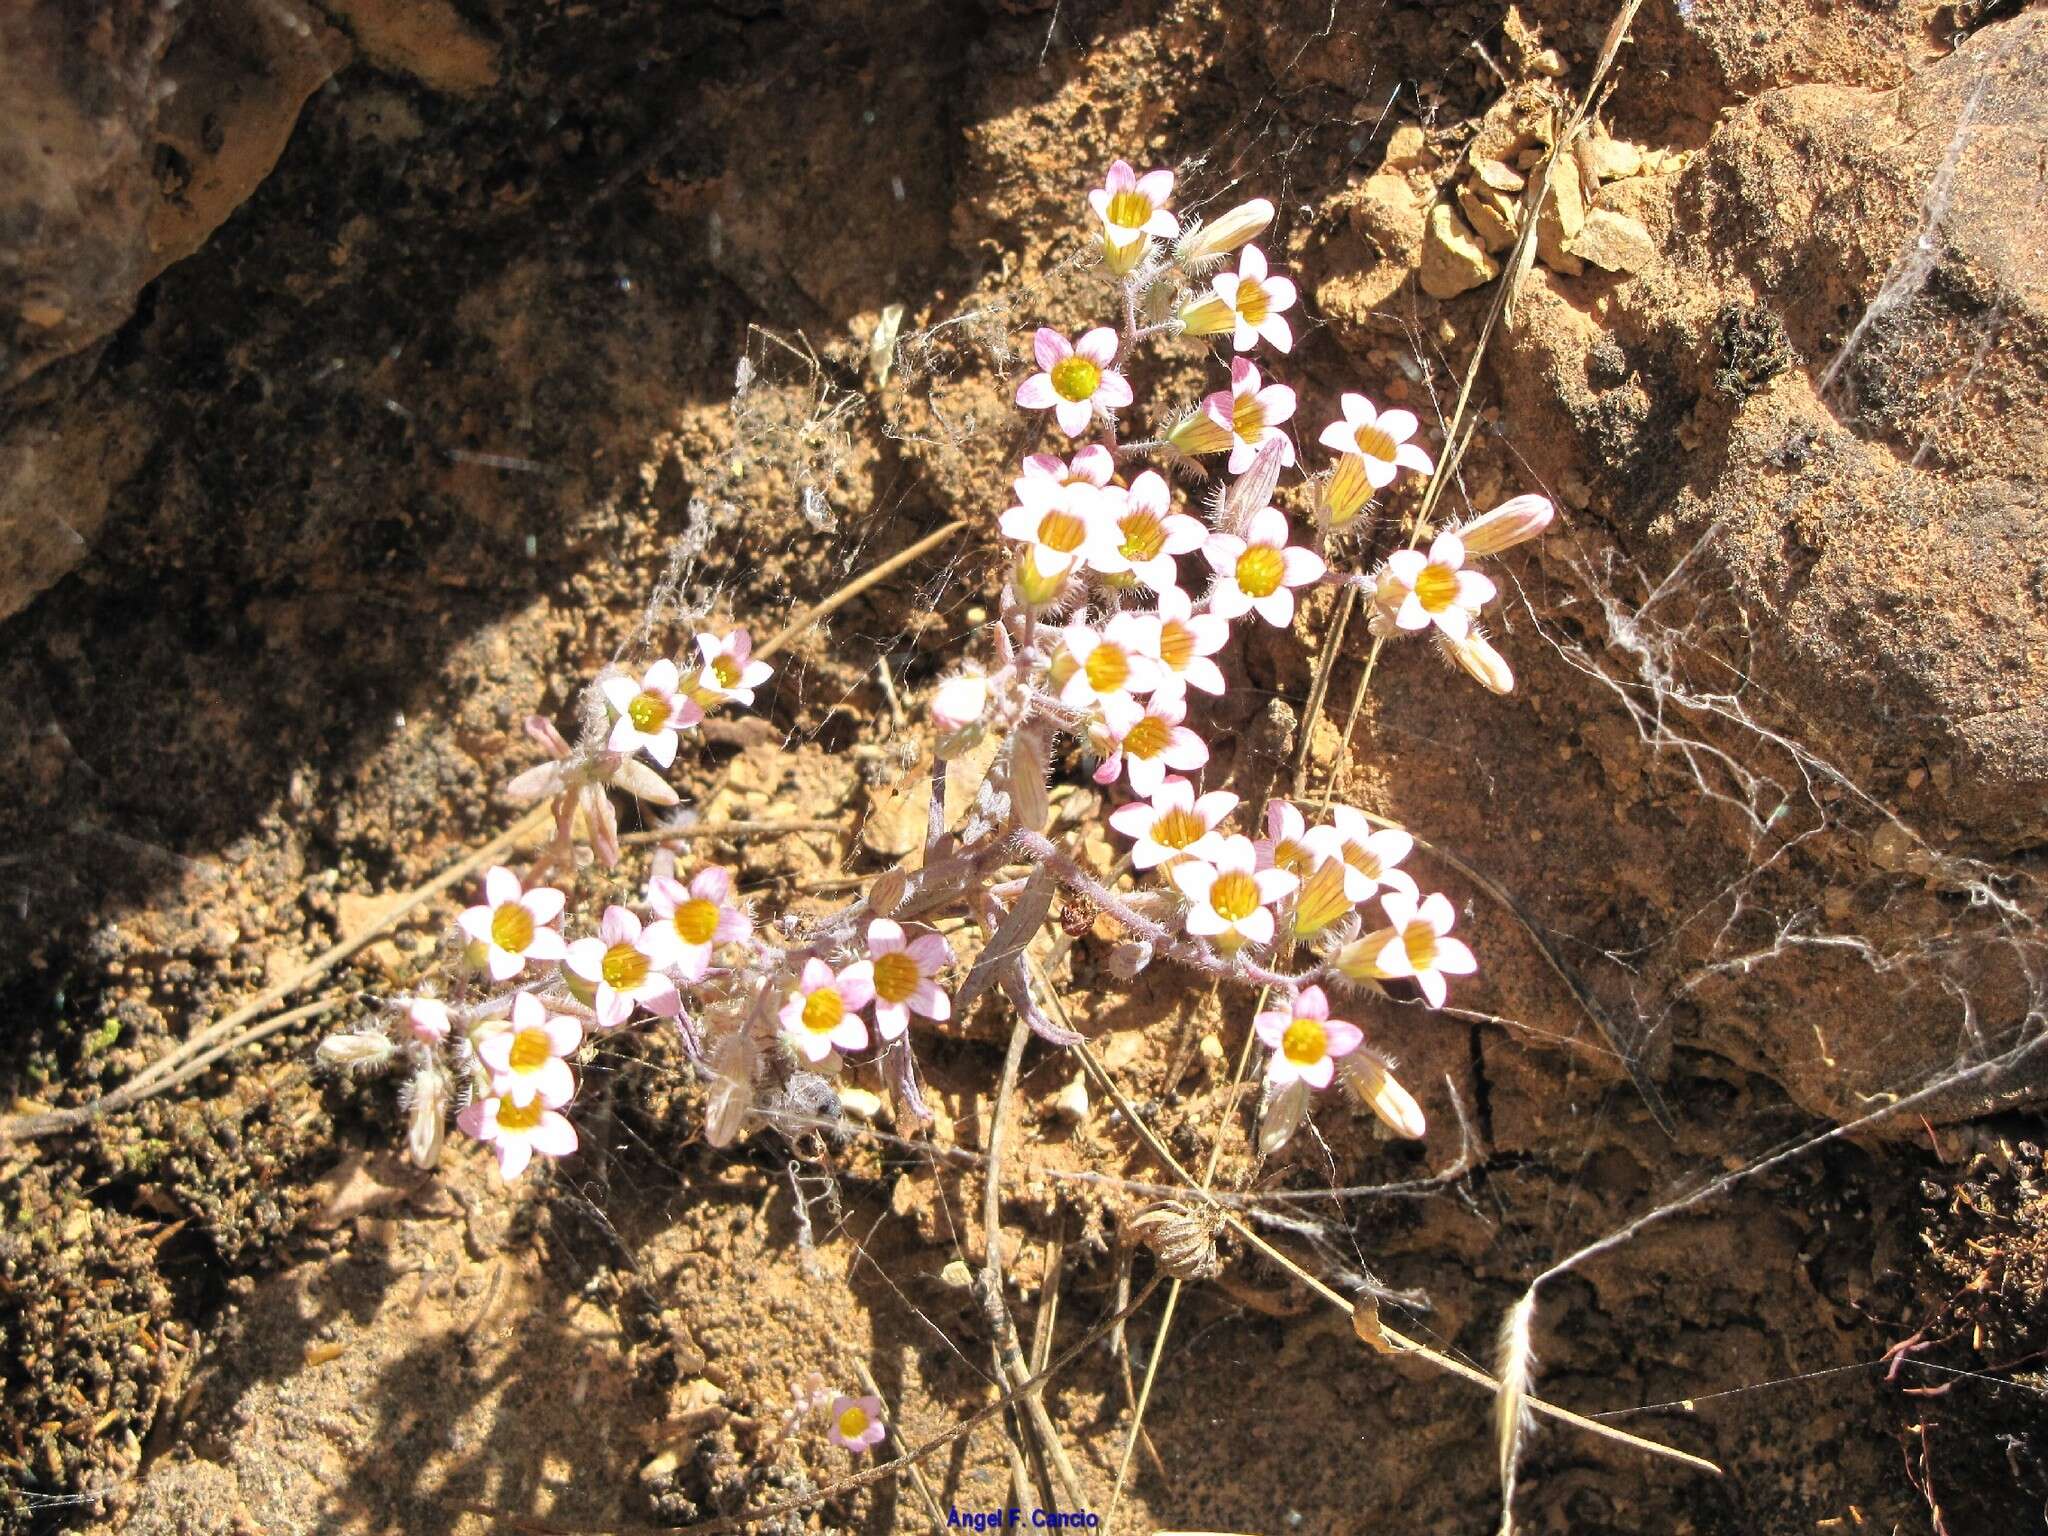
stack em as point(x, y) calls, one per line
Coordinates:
point(529, 1060)
point(729, 673)
point(1370, 854)
point(625, 967)
point(902, 972)
point(518, 1131)
point(1251, 414)
point(856, 1423)
point(1258, 572)
point(1434, 588)
point(1146, 533)
point(1074, 379)
point(1174, 824)
point(1379, 439)
point(1062, 523)
point(1230, 899)
point(514, 925)
point(1185, 643)
point(822, 1016)
point(1415, 944)
point(1255, 299)
point(1306, 1042)
point(693, 920)
point(652, 712)
point(1144, 740)
point(1133, 207)
point(1112, 662)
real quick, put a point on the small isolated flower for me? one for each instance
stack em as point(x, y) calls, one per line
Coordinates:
point(652, 712)
point(823, 1013)
point(1075, 379)
point(1061, 523)
point(1229, 899)
point(1185, 643)
point(1133, 210)
point(1145, 533)
point(1415, 944)
point(1145, 740)
point(1379, 439)
point(513, 924)
point(1251, 414)
point(959, 707)
point(518, 1131)
point(1255, 300)
point(1257, 573)
point(857, 1421)
point(1370, 854)
point(1113, 662)
point(623, 967)
point(427, 1018)
point(1306, 1042)
point(1513, 522)
point(529, 1060)
point(901, 972)
point(729, 674)
point(1225, 233)
point(692, 920)
point(1175, 823)
point(1435, 588)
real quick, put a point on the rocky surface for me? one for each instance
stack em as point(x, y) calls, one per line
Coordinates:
point(363, 363)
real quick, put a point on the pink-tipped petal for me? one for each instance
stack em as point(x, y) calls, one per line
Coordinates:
point(1036, 393)
point(1048, 346)
point(501, 887)
point(1098, 346)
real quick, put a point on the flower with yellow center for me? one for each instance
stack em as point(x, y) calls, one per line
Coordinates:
point(1144, 534)
point(651, 713)
point(1371, 853)
point(518, 1131)
point(1186, 642)
point(822, 1015)
point(729, 673)
point(1133, 212)
point(1251, 413)
point(1174, 824)
point(903, 974)
point(513, 925)
point(625, 967)
point(1063, 525)
point(1114, 661)
point(1435, 588)
point(1255, 300)
point(690, 922)
point(1305, 1041)
point(1074, 379)
point(1378, 440)
point(1415, 945)
point(1144, 740)
point(1258, 572)
point(1230, 898)
point(856, 1423)
point(528, 1060)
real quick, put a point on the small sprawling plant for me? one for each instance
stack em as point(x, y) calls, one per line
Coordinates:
point(1097, 640)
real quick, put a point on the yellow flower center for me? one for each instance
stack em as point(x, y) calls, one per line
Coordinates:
point(530, 1049)
point(1252, 303)
point(1419, 939)
point(853, 1421)
point(1437, 586)
point(1363, 859)
point(896, 977)
point(518, 1117)
point(823, 1010)
point(1108, 668)
point(1374, 443)
point(623, 967)
point(1235, 896)
point(1148, 738)
point(1144, 536)
point(1176, 644)
point(648, 712)
point(1075, 377)
point(1259, 570)
point(1061, 531)
point(1130, 209)
point(696, 920)
point(512, 928)
point(726, 670)
point(1305, 1042)
point(1178, 829)
point(1290, 856)
point(1247, 417)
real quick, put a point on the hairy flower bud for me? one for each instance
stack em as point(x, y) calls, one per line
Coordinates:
point(1479, 661)
point(429, 1116)
point(1208, 316)
point(1036, 587)
point(1367, 1077)
point(1513, 522)
point(1222, 235)
point(1199, 433)
point(1346, 493)
point(959, 710)
point(357, 1051)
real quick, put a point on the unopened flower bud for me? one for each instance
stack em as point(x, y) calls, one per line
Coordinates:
point(1222, 235)
point(358, 1051)
point(1129, 958)
point(1207, 317)
point(959, 711)
point(1367, 1077)
point(1285, 1109)
point(1322, 900)
point(643, 783)
point(1199, 433)
point(1479, 661)
point(1029, 802)
point(427, 1017)
point(1036, 587)
point(1346, 493)
point(429, 1117)
point(1513, 522)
